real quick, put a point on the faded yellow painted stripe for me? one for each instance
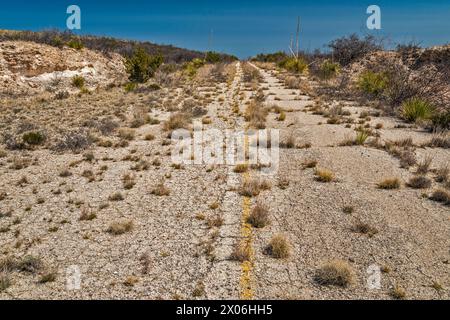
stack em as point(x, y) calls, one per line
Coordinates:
point(246, 291)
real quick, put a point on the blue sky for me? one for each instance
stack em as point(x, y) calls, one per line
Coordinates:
point(243, 27)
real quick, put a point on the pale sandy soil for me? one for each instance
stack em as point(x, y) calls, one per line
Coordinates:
point(185, 258)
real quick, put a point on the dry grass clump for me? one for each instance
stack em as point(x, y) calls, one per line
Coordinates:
point(241, 252)
point(419, 182)
point(324, 175)
point(364, 228)
point(443, 174)
point(256, 115)
point(215, 221)
point(120, 227)
point(178, 120)
point(259, 217)
point(253, 187)
point(241, 168)
point(126, 134)
point(87, 214)
point(278, 247)
point(424, 165)
point(65, 173)
point(389, 184)
point(289, 143)
point(439, 141)
point(49, 276)
point(336, 273)
point(161, 190)
point(29, 264)
point(116, 197)
point(5, 281)
point(128, 181)
point(441, 195)
point(398, 292)
point(309, 164)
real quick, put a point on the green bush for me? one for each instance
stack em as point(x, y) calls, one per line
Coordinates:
point(416, 109)
point(329, 69)
point(192, 67)
point(130, 86)
point(33, 138)
point(75, 44)
point(294, 65)
point(78, 81)
point(441, 120)
point(212, 57)
point(372, 83)
point(141, 66)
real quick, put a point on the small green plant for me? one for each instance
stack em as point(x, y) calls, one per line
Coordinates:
point(329, 69)
point(141, 66)
point(361, 137)
point(75, 44)
point(294, 65)
point(372, 83)
point(33, 138)
point(78, 82)
point(212, 57)
point(130, 86)
point(191, 67)
point(416, 109)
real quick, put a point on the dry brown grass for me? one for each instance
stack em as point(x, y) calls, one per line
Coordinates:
point(324, 175)
point(259, 217)
point(241, 168)
point(336, 273)
point(398, 292)
point(256, 115)
point(424, 165)
point(389, 184)
point(253, 187)
point(419, 182)
point(161, 190)
point(364, 228)
point(178, 120)
point(241, 252)
point(441, 195)
point(120, 227)
point(278, 247)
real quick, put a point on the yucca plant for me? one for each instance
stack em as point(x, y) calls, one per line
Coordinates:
point(416, 109)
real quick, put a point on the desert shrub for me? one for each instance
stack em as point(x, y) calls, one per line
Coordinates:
point(389, 184)
point(141, 66)
point(441, 195)
point(61, 95)
point(74, 141)
point(75, 44)
point(120, 227)
point(441, 121)
point(78, 82)
point(33, 138)
point(323, 175)
point(278, 247)
point(416, 109)
point(328, 69)
point(294, 65)
point(256, 114)
point(346, 50)
point(241, 252)
point(372, 83)
point(336, 273)
point(292, 82)
point(29, 264)
point(191, 67)
point(419, 182)
point(130, 87)
point(178, 120)
point(259, 216)
point(361, 137)
point(212, 57)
